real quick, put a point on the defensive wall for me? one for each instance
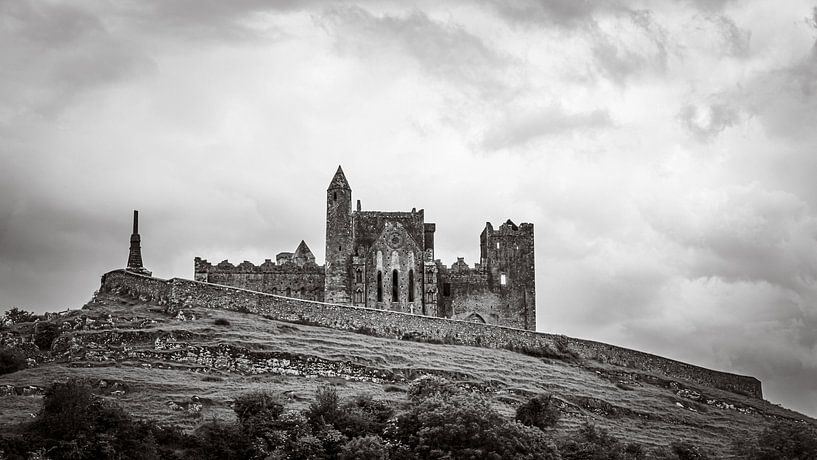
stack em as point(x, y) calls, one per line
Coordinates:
point(382, 323)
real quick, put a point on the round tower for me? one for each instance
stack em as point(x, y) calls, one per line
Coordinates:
point(338, 239)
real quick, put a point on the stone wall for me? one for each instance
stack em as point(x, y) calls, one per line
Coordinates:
point(304, 281)
point(406, 326)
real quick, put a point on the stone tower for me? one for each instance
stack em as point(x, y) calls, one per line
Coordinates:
point(508, 255)
point(338, 239)
point(135, 254)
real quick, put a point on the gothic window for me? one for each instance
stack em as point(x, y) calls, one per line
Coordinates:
point(429, 277)
point(395, 287)
point(411, 286)
point(446, 289)
point(379, 286)
point(430, 296)
point(358, 276)
point(359, 297)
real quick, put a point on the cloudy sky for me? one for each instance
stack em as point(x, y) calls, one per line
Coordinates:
point(665, 151)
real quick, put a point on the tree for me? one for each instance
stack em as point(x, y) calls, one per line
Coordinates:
point(17, 316)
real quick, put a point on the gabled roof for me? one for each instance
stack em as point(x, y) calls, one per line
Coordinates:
point(339, 181)
point(303, 252)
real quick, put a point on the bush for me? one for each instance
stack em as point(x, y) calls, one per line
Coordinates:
point(74, 423)
point(541, 412)
point(325, 409)
point(221, 322)
point(17, 316)
point(44, 335)
point(258, 403)
point(363, 416)
point(11, 360)
point(364, 448)
point(786, 440)
point(219, 440)
point(465, 426)
point(431, 385)
point(590, 442)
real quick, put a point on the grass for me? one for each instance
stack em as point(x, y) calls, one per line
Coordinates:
point(644, 412)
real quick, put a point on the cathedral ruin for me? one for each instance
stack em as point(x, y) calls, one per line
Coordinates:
point(385, 260)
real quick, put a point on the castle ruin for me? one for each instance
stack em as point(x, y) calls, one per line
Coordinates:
point(385, 260)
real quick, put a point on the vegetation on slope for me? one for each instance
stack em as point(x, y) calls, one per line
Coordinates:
point(214, 375)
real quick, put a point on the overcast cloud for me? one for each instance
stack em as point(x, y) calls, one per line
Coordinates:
point(665, 152)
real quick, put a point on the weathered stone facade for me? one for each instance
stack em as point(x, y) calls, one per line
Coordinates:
point(385, 260)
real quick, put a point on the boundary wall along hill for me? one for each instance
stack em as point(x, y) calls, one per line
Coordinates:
point(382, 323)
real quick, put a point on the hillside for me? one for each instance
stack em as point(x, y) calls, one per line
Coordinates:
point(179, 366)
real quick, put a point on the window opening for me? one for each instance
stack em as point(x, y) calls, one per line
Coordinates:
point(379, 286)
point(395, 287)
point(503, 280)
point(411, 286)
point(446, 289)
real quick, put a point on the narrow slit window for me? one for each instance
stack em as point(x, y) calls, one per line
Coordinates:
point(395, 287)
point(379, 286)
point(503, 280)
point(411, 286)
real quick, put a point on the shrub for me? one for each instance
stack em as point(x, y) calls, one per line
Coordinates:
point(590, 442)
point(363, 416)
point(465, 426)
point(364, 448)
point(541, 412)
point(74, 423)
point(44, 335)
point(17, 316)
point(431, 385)
point(325, 409)
point(11, 360)
point(258, 403)
point(221, 322)
point(788, 440)
point(219, 440)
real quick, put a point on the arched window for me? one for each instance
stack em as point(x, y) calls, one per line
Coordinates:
point(395, 287)
point(289, 292)
point(379, 286)
point(358, 276)
point(359, 296)
point(411, 286)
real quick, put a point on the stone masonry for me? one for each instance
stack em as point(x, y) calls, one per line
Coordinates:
point(385, 260)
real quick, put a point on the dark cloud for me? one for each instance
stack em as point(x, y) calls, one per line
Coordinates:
point(557, 12)
point(53, 53)
point(519, 129)
point(443, 49)
point(706, 121)
point(735, 41)
point(638, 45)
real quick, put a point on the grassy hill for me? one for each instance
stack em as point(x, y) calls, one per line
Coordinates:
point(188, 367)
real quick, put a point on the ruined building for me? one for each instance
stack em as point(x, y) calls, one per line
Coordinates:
point(385, 260)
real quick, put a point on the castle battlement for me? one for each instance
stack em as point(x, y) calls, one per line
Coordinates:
point(203, 266)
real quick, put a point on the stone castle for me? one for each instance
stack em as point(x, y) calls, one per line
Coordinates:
point(385, 260)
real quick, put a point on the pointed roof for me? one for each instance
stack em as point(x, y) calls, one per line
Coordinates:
point(303, 252)
point(339, 181)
